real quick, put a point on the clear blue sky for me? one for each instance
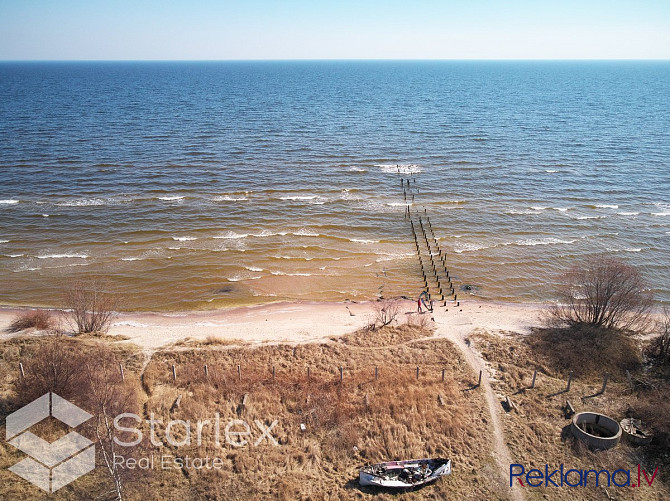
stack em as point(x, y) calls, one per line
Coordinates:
point(340, 29)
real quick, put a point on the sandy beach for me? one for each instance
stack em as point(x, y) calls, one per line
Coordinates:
point(299, 322)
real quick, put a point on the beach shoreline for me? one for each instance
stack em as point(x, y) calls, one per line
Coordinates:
point(296, 322)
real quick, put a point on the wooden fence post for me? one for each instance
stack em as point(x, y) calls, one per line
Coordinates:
point(605, 378)
point(569, 381)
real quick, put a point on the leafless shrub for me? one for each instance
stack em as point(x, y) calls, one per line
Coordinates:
point(91, 305)
point(37, 319)
point(418, 320)
point(52, 366)
point(602, 293)
point(107, 395)
point(385, 313)
point(660, 345)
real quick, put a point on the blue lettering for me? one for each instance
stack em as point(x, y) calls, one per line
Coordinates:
point(625, 472)
point(579, 482)
point(530, 476)
point(597, 473)
point(547, 476)
point(512, 474)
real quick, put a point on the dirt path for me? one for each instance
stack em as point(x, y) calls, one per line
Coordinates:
point(456, 328)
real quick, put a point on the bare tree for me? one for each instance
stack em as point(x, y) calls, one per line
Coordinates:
point(107, 395)
point(603, 292)
point(53, 365)
point(91, 305)
point(660, 346)
point(385, 313)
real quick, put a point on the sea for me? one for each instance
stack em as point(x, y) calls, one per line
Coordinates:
point(203, 185)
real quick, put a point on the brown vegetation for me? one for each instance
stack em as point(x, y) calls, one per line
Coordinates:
point(32, 319)
point(385, 313)
point(90, 305)
point(659, 348)
point(539, 432)
point(602, 293)
point(348, 423)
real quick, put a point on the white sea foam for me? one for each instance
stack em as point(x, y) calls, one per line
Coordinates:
point(398, 204)
point(85, 202)
point(399, 168)
point(238, 278)
point(628, 213)
point(184, 239)
point(543, 241)
point(661, 214)
point(522, 211)
point(132, 259)
point(590, 217)
point(281, 273)
point(63, 256)
point(9, 202)
point(363, 241)
point(357, 169)
point(302, 232)
point(14, 255)
point(607, 206)
point(230, 198)
point(171, 198)
point(232, 235)
point(253, 268)
point(4, 241)
point(298, 197)
point(469, 247)
point(45, 215)
point(551, 171)
point(561, 209)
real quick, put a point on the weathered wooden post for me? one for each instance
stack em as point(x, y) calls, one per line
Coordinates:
point(206, 371)
point(239, 372)
point(532, 384)
point(123, 378)
point(308, 375)
point(376, 373)
point(443, 372)
point(23, 374)
point(479, 382)
point(274, 374)
point(341, 374)
point(605, 378)
point(417, 373)
point(569, 381)
point(174, 373)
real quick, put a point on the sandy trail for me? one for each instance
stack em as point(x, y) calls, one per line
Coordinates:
point(456, 325)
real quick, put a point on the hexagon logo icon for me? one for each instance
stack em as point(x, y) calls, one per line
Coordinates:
point(50, 466)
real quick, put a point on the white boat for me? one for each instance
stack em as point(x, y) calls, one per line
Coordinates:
point(404, 474)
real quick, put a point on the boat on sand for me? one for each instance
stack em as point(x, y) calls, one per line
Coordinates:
point(404, 474)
